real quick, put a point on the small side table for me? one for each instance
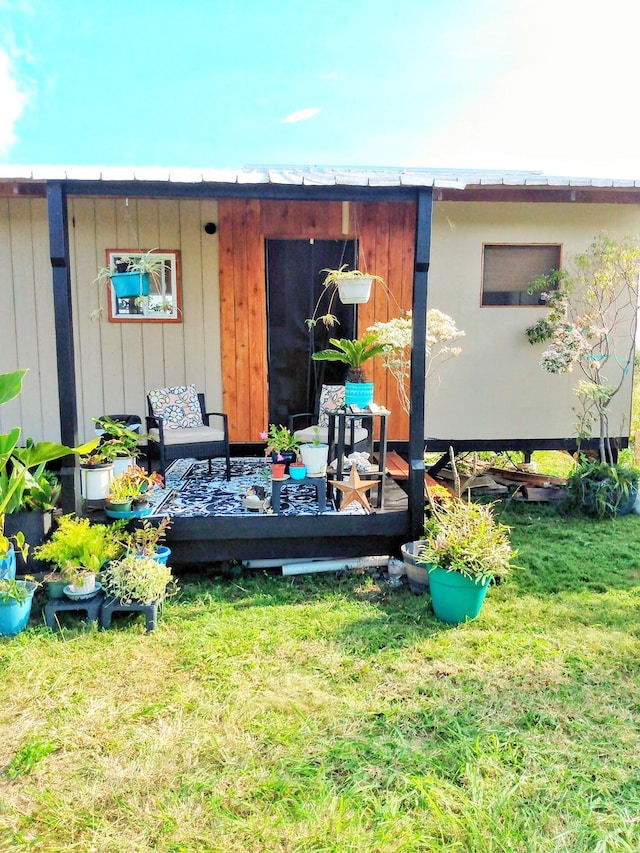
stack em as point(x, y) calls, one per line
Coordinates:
point(344, 418)
point(114, 605)
point(92, 606)
point(319, 482)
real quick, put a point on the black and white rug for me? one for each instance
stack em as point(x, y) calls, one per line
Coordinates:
point(191, 491)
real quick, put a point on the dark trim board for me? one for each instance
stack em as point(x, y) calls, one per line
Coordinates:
point(205, 540)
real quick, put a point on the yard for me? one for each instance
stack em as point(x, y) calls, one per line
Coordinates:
point(334, 713)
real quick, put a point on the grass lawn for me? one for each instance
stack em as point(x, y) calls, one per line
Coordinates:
point(334, 713)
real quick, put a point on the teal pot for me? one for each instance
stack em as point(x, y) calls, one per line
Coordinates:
point(14, 615)
point(55, 588)
point(35, 525)
point(8, 564)
point(358, 394)
point(417, 573)
point(456, 598)
point(297, 472)
point(118, 506)
point(128, 285)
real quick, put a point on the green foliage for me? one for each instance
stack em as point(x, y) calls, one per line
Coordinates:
point(330, 286)
point(462, 536)
point(280, 439)
point(15, 590)
point(602, 488)
point(78, 544)
point(591, 324)
point(354, 353)
point(139, 579)
point(144, 538)
point(121, 440)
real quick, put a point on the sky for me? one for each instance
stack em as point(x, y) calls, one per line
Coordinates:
point(550, 85)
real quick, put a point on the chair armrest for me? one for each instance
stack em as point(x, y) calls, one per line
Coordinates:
point(225, 421)
point(293, 418)
point(155, 423)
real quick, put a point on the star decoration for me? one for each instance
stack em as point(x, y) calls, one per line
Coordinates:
point(354, 489)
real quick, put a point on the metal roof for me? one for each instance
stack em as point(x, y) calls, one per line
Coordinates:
point(318, 176)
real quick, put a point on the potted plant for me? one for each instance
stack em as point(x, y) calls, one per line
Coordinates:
point(297, 469)
point(282, 445)
point(122, 441)
point(128, 491)
point(354, 353)
point(603, 489)
point(16, 598)
point(22, 472)
point(352, 286)
point(131, 277)
point(144, 540)
point(79, 550)
point(464, 550)
point(138, 580)
point(96, 473)
point(315, 455)
point(30, 513)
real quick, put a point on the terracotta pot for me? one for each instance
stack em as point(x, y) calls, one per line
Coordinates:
point(277, 470)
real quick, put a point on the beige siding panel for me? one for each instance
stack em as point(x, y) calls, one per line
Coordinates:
point(26, 305)
point(119, 362)
point(496, 389)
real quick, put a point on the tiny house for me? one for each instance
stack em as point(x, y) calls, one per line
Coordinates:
point(245, 250)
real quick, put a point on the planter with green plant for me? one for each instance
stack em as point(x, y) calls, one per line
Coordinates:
point(603, 489)
point(121, 440)
point(16, 599)
point(128, 491)
point(144, 540)
point(352, 286)
point(133, 277)
point(282, 444)
point(79, 550)
point(315, 455)
point(23, 481)
point(353, 353)
point(138, 580)
point(464, 550)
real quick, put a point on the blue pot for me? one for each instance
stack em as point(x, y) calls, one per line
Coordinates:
point(14, 615)
point(130, 284)
point(297, 472)
point(358, 394)
point(162, 554)
point(8, 564)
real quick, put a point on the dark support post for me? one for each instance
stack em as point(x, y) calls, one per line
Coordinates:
point(418, 362)
point(65, 356)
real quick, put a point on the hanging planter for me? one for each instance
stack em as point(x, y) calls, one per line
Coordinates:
point(355, 290)
point(130, 284)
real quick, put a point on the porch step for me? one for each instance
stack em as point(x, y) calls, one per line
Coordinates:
point(398, 469)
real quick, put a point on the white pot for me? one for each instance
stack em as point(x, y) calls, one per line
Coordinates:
point(94, 482)
point(354, 291)
point(315, 458)
point(121, 464)
point(88, 583)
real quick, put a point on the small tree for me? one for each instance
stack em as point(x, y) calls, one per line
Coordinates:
point(591, 324)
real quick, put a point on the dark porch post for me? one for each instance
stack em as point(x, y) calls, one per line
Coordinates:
point(418, 362)
point(65, 356)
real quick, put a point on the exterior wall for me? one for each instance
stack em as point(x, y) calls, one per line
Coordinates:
point(496, 389)
point(26, 308)
point(385, 232)
point(117, 363)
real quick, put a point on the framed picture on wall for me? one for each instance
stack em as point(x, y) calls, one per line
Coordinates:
point(163, 304)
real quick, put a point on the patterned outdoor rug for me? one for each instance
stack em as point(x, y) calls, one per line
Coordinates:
point(191, 491)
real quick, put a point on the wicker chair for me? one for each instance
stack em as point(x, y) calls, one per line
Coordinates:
point(331, 398)
point(199, 434)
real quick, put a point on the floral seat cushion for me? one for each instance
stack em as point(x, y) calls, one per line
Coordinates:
point(178, 407)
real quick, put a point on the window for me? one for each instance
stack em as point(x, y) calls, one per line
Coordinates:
point(507, 271)
point(162, 305)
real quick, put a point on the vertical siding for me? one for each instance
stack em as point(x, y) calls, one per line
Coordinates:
point(26, 308)
point(384, 231)
point(117, 363)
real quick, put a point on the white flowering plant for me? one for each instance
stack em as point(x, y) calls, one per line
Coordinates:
point(591, 325)
point(395, 337)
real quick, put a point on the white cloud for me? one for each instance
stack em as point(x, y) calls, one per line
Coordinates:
point(13, 100)
point(300, 115)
